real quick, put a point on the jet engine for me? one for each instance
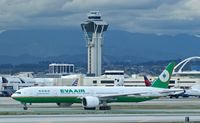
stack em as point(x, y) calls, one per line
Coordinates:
point(90, 102)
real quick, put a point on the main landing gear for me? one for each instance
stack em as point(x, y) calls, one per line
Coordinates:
point(104, 107)
point(25, 106)
point(91, 108)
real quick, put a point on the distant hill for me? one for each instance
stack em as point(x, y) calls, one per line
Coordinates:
point(151, 46)
point(68, 45)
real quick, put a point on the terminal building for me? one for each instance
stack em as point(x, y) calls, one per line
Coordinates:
point(61, 68)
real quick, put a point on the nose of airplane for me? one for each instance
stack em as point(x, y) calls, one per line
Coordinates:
point(13, 95)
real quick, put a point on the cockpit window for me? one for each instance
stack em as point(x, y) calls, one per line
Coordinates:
point(18, 92)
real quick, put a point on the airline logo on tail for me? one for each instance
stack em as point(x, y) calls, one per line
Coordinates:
point(164, 76)
point(163, 79)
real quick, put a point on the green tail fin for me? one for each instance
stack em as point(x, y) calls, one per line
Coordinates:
point(163, 80)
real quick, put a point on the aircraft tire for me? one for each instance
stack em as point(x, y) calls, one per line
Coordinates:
point(105, 108)
point(64, 104)
point(25, 108)
point(86, 108)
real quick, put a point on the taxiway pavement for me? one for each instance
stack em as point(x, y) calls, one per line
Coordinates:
point(159, 110)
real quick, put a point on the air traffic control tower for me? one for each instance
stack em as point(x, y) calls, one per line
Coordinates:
point(93, 29)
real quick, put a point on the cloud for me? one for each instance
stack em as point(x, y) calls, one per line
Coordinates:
point(109, 4)
point(197, 35)
point(2, 31)
point(168, 18)
point(145, 16)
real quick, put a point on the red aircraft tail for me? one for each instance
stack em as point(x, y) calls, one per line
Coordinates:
point(146, 81)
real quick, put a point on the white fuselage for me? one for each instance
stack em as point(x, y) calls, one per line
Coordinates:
point(90, 97)
point(72, 91)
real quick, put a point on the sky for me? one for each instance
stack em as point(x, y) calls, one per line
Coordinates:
point(141, 16)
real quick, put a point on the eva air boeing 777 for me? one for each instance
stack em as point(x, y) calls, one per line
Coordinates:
point(92, 97)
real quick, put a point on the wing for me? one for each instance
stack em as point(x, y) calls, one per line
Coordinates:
point(123, 94)
point(106, 96)
point(163, 92)
point(174, 91)
point(160, 93)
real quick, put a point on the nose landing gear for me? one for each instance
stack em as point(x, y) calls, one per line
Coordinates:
point(25, 106)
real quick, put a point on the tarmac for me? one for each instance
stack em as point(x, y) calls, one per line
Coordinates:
point(159, 110)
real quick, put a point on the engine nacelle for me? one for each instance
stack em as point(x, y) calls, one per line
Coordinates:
point(90, 101)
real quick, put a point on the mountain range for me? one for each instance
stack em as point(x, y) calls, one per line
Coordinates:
point(69, 46)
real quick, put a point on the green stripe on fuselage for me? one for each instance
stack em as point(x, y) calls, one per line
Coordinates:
point(77, 100)
point(48, 99)
point(133, 99)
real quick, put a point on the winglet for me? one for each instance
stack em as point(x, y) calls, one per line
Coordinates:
point(163, 80)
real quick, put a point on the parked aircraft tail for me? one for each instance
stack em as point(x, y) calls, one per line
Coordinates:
point(75, 82)
point(146, 81)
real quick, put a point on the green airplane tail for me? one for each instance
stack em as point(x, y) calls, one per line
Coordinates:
point(163, 80)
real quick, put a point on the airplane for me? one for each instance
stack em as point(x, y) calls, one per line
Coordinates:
point(92, 97)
